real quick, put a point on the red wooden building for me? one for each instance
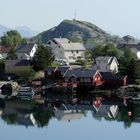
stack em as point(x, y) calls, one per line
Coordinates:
point(83, 77)
point(55, 73)
point(114, 80)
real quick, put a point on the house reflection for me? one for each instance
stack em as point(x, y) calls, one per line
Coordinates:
point(18, 113)
point(32, 115)
point(106, 110)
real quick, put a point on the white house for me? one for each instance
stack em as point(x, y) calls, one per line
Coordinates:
point(62, 48)
point(106, 64)
point(26, 52)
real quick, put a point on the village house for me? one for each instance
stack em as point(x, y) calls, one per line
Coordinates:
point(83, 77)
point(114, 80)
point(55, 73)
point(135, 48)
point(106, 64)
point(17, 67)
point(105, 110)
point(4, 50)
point(62, 48)
point(26, 51)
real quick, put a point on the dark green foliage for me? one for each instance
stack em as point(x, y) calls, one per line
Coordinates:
point(12, 55)
point(133, 70)
point(42, 58)
point(42, 116)
point(2, 66)
point(126, 59)
point(12, 38)
point(106, 50)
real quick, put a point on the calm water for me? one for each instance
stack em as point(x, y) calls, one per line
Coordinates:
point(53, 121)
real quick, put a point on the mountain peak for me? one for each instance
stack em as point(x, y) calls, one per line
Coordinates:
point(130, 39)
point(81, 31)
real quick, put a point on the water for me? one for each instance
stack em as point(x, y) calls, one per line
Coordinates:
point(113, 121)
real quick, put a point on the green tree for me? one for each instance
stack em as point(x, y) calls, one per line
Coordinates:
point(12, 38)
point(125, 60)
point(133, 70)
point(98, 51)
point(12, 55)
point(111, 50)
point(106, 50)
point(43, 58)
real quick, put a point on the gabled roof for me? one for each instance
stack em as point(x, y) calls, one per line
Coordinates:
point(6, 49)
point(68, 45)
point(50, 68)
point(108, 59)
point(111, 76)
point(80, 73)
point(63, 69)
point(25, 48)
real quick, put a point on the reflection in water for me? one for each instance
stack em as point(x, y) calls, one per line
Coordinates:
point(29, 114)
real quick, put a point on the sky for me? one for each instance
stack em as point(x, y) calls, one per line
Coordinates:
point(118, 17)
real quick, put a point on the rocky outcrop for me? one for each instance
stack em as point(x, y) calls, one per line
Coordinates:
point(81, 31)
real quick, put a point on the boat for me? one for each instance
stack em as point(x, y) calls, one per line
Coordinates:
point(136, 98)
point(26, 93)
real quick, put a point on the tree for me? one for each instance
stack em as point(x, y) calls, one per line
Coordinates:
point(12, 38)
point(98, 51)
point(12, 55)
point(126, 59)
point(133, 70)
point(106, 50)
point(111, 50)
point(43, 58)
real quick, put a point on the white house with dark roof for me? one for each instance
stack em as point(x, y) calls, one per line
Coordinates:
point(26, 51)
point(106, 64)
point(63, 48)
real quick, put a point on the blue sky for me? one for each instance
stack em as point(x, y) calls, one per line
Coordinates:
point(119, 17)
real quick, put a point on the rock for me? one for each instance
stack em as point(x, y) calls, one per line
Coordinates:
point(130, 39)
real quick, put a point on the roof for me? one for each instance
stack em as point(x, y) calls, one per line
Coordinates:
point(6, 49)
point(62, 69)
point(80, 73)
point(108, 59)
point(18, 63)
point(61, 40)
point(68, 45)
point(50, 69)
point(25, 48)
point(111, 76)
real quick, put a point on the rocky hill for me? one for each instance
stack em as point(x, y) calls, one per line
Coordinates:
point(82, 31)
point(130, 39)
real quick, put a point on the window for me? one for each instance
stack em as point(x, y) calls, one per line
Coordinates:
point(96, 79)
point(49, 72)
point(88, 79)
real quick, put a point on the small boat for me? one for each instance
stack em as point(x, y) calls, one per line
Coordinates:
point(136, 98)
point(26, 93)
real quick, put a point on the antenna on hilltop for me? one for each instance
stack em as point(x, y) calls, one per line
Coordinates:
point(75, 15)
